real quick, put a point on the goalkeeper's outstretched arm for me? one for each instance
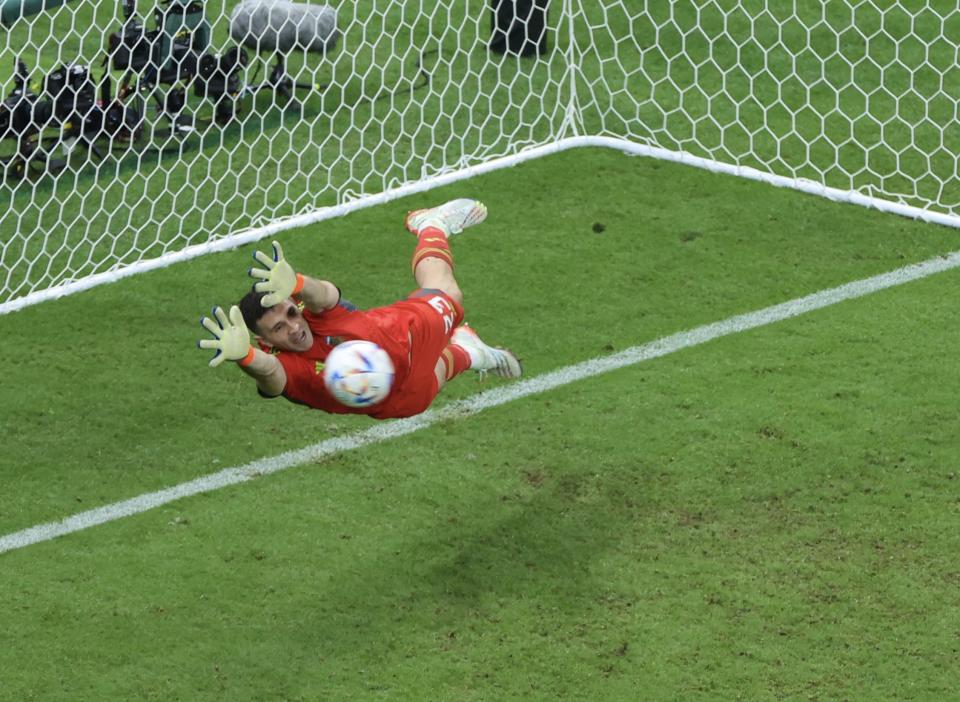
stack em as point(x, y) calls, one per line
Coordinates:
point(231, 341)
point(267, 371)
point(279, 281)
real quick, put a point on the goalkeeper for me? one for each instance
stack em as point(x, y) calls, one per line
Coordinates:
point(297, 320)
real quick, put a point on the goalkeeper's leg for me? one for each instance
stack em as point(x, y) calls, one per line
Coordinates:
point(432, 258)
point(433, 270)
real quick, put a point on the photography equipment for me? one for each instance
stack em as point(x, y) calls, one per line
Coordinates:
point(17, 122)
point(164, 64)
point(132, 47)
point(519, 27)
point(281, 27)
point(167, 53)
point(72, 92)
point(105, 118)
point(115, 118)
point(176, 52)
point(68, 96)
point(83, 116)
point(67, 112)
point(184, 37)
point(219, 79)
point(16, 110)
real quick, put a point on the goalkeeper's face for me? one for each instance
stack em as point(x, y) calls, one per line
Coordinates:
point(284, 328)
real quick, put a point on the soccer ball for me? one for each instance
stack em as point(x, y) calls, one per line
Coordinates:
point(358, 373)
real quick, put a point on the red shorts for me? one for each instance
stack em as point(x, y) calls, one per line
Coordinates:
point(433, 316)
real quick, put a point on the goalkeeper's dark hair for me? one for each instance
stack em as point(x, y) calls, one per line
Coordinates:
point(252, 309)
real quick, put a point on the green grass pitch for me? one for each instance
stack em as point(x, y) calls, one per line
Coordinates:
point(772, 515)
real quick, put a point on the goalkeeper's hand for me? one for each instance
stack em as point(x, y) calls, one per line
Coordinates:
point(278, 279)
point(231, 338)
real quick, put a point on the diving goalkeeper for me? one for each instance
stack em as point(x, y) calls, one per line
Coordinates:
point(297, 321)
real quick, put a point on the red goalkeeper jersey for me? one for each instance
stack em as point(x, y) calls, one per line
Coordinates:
point(414, 332)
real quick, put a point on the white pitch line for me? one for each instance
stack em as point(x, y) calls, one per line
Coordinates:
point(479, 402)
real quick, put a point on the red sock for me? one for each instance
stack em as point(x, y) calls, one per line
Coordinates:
point(456, 359)
point(432, 243)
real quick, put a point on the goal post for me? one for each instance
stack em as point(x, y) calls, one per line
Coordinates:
point(113, 162)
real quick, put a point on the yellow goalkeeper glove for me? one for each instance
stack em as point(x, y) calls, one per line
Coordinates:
point(278, 279)
point(231, 338)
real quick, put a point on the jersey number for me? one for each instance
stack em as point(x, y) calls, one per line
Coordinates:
point(445, 310)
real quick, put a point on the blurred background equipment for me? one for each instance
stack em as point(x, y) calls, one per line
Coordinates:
point(519, 27)
point(67, 113)
point(282, 27)
point(174, 53)
point(12, 10)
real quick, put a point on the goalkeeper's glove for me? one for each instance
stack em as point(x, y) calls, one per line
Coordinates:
point(231, 338)
point(278, 280)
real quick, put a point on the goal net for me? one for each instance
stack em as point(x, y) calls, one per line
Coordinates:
point(136, 135)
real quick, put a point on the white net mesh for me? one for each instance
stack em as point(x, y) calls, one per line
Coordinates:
point(859, 95)
point(193, 146)
point(408, 91)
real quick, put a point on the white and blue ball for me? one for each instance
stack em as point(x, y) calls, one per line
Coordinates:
point(358, 373)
